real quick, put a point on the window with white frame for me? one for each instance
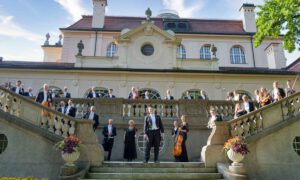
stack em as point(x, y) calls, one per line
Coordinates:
point(181, 53)
point(111, 50)
point(237, 55)
point(205, 52)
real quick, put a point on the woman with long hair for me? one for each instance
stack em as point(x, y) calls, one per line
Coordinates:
point(183, 131)
point(129, 142)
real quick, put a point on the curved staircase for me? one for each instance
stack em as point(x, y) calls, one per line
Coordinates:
point(162, 170)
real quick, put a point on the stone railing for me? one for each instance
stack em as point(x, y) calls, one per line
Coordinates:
point(53, 121)
point(254, 122)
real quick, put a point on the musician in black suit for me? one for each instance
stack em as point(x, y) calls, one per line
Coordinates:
point(93, 93)
point(44, 96)
point(18, 88)
point(188, 96)
point(62, 107)
point(29, 92)
point(66, 94)
point(175, 129)
point(277, 92)
point(71, 110)
point(110, 94)
point(109, 132)
point(248, 105)
point(168, 96)
point(91, 115)
point(153, 134)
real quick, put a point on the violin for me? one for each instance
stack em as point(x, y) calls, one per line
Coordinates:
point(177, 150)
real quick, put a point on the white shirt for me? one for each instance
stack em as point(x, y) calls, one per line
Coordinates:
point(91, 116)
point(153, 119)
point(45, 96)
point(246, 107)
point(30, 94)
point(146, 97)
point(168, 97)
point(17, 90)
point(68, 110)
point(65, 94)
point(276, 92)
point(94, 94)
point(63, 109)
point(53, 95)
point(133, 95)
point(211, 122)
point(257, 99)
point(109, 127)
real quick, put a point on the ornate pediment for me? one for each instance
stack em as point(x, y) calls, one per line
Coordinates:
point(147, 28)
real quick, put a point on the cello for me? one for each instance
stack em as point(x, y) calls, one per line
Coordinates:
point(177, 149)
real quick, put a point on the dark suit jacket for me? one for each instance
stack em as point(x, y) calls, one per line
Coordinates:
point(201, 98)
point(281, 93)
point(105, 131)
point(72, 112)
point(174, 132)
point(251, 106)
point(68, 95)
point(27, 94)
point(107, 96)
point(186, 97)
point(171, 98)
point(40, 97)
point(131, 96)
point(148, 124)
point(90, 95)
point(21, 90)
point(95, 119)
point(60, 110)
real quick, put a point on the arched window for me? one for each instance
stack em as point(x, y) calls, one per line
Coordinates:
point(111, 50)
point(195, 93)
point(153, 94)
point(181, 53)
point(237, 55)
point(100, 90)
point(243, 92)
point(205, 52)
point(58, 92)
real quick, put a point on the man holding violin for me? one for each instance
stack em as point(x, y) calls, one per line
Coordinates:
point(154, 133)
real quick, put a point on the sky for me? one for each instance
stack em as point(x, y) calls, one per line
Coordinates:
point(24, 23)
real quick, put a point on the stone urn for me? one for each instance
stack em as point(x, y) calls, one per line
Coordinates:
point(70, 158)
point(235, 157)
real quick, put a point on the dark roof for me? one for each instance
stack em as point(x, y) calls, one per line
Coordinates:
point(70, 66)
point(197, 26)
point(295, 66)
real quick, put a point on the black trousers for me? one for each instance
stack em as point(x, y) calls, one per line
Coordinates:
point(110, 144)
point(153, 141)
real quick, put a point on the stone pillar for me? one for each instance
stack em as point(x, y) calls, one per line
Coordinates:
point(213, 152)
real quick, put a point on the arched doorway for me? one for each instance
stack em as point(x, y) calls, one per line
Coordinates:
point(153, 94)
point(57, 90)
point(243, 92)
point(195, 93)
point(100, 90)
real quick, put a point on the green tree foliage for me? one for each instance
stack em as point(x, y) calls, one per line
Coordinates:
point(277, 16)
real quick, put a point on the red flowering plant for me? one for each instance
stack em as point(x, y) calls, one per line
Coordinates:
point(69, 145)
point(237, 145)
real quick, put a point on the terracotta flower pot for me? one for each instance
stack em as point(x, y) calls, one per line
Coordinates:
point(70, 158)
point(235, 157)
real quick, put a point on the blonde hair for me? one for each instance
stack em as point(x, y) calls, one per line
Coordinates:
point(131, 122)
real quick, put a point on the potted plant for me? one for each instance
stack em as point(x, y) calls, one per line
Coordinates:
point(69, 148)
point(236, 149)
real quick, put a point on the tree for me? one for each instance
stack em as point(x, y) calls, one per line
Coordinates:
point(277, 16)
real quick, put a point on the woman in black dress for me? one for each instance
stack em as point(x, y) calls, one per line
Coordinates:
point(129, 142)
point(183, 130)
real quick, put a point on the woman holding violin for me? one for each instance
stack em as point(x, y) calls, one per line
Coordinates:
point(179, 150)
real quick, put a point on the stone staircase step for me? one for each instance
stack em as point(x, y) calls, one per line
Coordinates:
point(155, 165)
point(151, 170)
point(142, 176)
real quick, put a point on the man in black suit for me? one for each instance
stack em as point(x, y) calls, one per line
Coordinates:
point(66, 93)
point(44, 97)
point(277, 92)
point(29, 92)
point(153, 134)
point(70, 110)
point(109, 132)
point(188, 96)
point(93, 93)
point(168, 96)
point(62, 107)
point(18, 88)
point(110, 94)
point(91, 115)
point(248, 105)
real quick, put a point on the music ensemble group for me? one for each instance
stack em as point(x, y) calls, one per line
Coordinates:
point(153, 126)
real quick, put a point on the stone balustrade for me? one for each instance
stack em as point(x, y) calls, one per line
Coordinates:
point(263, 118)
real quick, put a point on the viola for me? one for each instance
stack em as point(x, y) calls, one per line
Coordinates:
point(177, 149)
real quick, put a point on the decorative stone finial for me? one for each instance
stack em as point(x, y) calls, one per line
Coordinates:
point(46, 43)
point(59, 41)
point(213, 50)
point(80, 47)
point(148, 14)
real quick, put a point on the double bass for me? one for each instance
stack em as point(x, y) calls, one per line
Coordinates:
point(177, 150)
